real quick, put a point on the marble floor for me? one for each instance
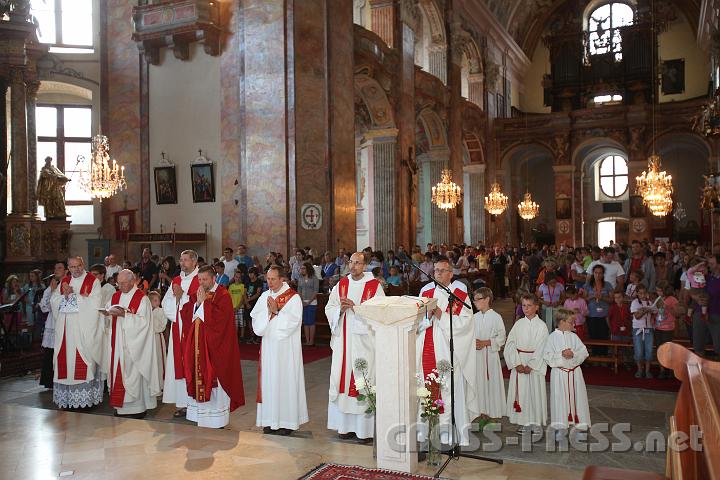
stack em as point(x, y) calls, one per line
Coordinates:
point(37, 441)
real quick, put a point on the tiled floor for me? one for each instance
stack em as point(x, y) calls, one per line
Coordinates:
point(37, 441)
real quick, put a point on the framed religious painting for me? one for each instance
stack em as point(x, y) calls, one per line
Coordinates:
point(673, 76)
point(124, 224)
point(637, 208)
point(563, 208)
point(165, 185)
point(203, 186)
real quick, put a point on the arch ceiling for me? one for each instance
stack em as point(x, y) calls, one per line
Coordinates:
point(526, 20)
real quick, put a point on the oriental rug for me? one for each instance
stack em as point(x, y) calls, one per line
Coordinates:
point(334, 471)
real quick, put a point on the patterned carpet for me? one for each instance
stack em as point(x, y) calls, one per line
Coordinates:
point(334, 471)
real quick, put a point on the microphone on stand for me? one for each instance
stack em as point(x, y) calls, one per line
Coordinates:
point(48, 278)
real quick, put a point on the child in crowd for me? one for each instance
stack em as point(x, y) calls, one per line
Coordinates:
point(551, 295)
point(668, 307)
point(620, 321)
point(239, 300)
point(643, 313)
point(220, 277)
point(489, 340)
point(696, 280)
point(635, 281)
point(394, 278)
point(518, 304)
point(564, 352)
point(578, 305)
point(159, 321)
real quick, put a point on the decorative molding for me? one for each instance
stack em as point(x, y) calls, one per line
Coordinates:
point(50, 65)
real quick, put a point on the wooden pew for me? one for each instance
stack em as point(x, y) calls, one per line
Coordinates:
point(614, 358)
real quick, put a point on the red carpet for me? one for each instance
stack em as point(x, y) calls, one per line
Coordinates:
point(605, 377)
point(251, 351)
point(333, 471)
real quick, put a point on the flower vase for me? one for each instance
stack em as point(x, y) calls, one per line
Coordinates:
point(433, 438)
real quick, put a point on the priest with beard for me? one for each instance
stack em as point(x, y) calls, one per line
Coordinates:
point(351, 339)
point(79, 346)
point(211, 356)
point(276, 319)
point(133, 374)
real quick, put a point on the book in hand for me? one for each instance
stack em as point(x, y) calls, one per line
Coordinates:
point(108, 311)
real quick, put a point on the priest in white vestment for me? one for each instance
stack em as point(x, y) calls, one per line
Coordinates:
point(79, 338)
point(351, 339)
point(433, 346)
point(564, 353)
point(527, 395)
point(183, 290)
point(133, 376)
point(277, 319)
point(160, 322)
point(107, 291)
point(489, 340)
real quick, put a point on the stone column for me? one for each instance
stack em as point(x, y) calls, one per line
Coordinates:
point(436, 221)
point(18, 128)
point(438, 62)
point(474, 198)
point(382, 20)
point(32, 90)
point(564, 227)
point(475, 89)
point(384, 146)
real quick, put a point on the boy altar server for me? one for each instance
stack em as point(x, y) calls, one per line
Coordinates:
point(564, 352)
point(527, 396)
point(489, 339)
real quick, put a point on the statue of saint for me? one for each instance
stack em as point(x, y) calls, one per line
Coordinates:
point(51, 190)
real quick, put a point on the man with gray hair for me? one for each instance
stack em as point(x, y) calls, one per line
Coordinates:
point(183, 290)
point(133, 373)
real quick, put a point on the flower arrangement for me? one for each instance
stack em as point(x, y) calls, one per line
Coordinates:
point(366, 390)
point(428, 392)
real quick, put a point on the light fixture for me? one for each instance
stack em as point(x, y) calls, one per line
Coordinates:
point(102, 180)
point(496, 201)
point(446, 194)
point(655, 188)
point(708, 121)
point(654, 185)
point(527, 208)
point(679, 212)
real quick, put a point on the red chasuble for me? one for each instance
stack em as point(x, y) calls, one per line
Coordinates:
point(177, 335)
point(117, 387)
point(80, 365)
point(369, 290)
point(210, 349)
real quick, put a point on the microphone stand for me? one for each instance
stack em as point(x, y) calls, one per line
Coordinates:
point(455, 451)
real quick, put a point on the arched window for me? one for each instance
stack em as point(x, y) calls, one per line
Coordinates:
point(613, 176)
point(67, 25)
point(603, 26)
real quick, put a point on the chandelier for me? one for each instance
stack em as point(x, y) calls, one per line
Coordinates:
point(679, 212)
point(496, 202)
point(708, 121)
point(655, 187)
point(102, 180)
point(527, 208)
point(446, 194)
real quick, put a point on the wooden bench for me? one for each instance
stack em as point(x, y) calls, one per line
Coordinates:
point(614, 358)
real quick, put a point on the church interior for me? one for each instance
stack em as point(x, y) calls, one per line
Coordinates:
point(338, 125)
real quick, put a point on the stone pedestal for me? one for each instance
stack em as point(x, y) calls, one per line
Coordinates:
point(56, 236)
point(394, 321)
point(31, 240)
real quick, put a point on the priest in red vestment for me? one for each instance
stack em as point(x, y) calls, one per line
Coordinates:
point(211, 356)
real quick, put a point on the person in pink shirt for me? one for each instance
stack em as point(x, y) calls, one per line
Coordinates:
point(577, 304)
point(668, 309)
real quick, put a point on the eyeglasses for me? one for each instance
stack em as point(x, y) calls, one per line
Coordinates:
point(441, 270)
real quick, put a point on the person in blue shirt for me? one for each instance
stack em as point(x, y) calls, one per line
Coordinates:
point(220, 277)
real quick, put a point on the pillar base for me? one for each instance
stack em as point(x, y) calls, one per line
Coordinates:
point(29, 239)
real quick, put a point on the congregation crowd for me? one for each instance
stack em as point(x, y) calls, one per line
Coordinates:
point(168, 329)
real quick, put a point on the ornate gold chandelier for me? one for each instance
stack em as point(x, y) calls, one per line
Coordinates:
point(527, 208)
point(446, 194)
point(655, 188)
point(708, 121)
point(103, 180)
point(496, 201)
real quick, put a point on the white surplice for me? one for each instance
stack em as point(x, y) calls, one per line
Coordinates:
point(160, 322)
point(466, 407)
point(490, 384)
point(134, 355)
point(215, 413)
point(568, 395)
point(107, 291)
point(83, 334)
point(175, 390)
point(345, 413)
point(528, 335)
point(282, 376)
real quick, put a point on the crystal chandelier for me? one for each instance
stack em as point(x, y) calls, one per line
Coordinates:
point(102, 180)
point(655, 187)
point(496, 202)
point(446, 194)
point(527, 208)
point(679, 212)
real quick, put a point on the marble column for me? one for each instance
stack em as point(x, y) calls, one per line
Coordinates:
point(382, 20)
point(32, 90)
point(474, 198)
point(18, 128)
point(384, 146)
point(438, 62)
point(436, 225)
point(564, 227)
point(475, 89)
